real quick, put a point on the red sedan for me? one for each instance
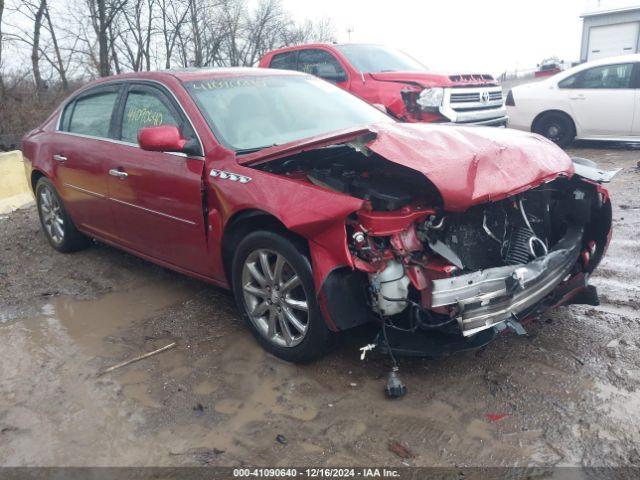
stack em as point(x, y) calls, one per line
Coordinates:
point(320, 212)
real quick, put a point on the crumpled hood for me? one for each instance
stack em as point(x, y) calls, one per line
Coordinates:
point(468, 165)
point(472, 165)
point(431, 79)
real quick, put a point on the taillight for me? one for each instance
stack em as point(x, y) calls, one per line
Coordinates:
point(510, 101)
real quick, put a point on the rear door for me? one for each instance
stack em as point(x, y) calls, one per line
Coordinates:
point(635, 129)
point(156, 197)
point(285, 60)
point(81, 151)
point(602, 99)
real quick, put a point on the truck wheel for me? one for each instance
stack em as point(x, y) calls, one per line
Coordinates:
point(274, 290)
point(56, 223)
point(557, 127)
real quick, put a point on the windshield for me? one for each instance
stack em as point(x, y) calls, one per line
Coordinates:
point(376, 59)
point(249, 113)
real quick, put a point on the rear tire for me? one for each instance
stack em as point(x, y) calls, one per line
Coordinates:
point(56, 223)
point(273, 287)
point(557, 127)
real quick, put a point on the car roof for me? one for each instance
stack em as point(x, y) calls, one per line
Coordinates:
point(317, 45)
point(635, 57)
point(190, 74)
point(606, 61)
point(632, 58)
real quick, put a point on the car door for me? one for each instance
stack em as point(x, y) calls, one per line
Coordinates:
point(324, 65)
point(156, 197)
point(602, 100)
point(82, 150)
point(635, 129)
point(285, 60)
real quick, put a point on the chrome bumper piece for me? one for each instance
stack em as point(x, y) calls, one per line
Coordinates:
point(489, 297)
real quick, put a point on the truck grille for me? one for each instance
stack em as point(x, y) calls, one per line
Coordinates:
point(474, 97)
point(474, 105)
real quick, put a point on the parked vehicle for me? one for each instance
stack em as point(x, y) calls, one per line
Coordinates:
point(320, 212)
point(597, 100)
point(548, 67)
point(402, 86)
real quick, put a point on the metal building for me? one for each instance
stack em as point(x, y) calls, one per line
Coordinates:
point(610, 33)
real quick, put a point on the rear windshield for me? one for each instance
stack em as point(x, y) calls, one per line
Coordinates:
point(250, 113)
point(377, 59)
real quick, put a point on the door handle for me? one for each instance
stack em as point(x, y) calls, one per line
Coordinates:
point(59, 158)
point(118, 173)
point(577, 97)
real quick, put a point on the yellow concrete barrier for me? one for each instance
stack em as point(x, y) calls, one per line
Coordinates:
point(14, 189)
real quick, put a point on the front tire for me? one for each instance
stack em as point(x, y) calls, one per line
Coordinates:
point(56, 223)
point(557, 127)
point(273, 287)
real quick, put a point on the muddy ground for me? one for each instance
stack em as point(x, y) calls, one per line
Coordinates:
point(568, 394)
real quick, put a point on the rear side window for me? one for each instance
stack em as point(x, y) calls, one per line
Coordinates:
point(607, 76)
point(284, 61)
point(91, 115)
point(321, 64)
point(144, 108)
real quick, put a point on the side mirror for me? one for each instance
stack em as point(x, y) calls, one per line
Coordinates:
point(165, 138)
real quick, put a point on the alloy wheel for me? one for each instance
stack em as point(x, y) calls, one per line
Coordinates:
point(275, 298)
point(52, 217)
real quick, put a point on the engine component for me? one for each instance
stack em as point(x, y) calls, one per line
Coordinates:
point(383, 194)
point(394, 387)
point(391, 289)
point(468, 244)
point(518, 251)
point(444, 251)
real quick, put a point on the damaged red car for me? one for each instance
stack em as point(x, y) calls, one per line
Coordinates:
point(320, 212)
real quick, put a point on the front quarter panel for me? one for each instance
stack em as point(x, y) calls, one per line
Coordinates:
point(316, 214)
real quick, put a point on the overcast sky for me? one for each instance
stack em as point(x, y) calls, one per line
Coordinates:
point(463, 35)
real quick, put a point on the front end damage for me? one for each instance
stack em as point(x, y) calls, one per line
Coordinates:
point(443, 268)
point(494, 266)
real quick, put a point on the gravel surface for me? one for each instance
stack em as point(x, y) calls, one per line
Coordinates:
point(567, 394)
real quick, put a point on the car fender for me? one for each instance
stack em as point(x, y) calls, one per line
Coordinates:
point(314, 213)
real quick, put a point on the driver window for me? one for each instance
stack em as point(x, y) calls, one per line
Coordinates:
point(321, 64)
point(144, 109)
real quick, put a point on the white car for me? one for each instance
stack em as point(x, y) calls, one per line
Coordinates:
point(599, 100)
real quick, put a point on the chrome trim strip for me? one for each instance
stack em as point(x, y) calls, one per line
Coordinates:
point(234, 177)
point(126, 144)
point(129, 81)
point(148, 210)
point(88, 192)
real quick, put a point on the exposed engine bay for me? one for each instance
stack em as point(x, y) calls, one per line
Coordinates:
point(387, 186)
point(417, 267)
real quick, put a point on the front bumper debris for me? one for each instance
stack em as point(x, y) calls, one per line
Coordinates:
point(488, 297)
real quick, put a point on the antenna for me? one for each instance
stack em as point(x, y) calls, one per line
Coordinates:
point(350, 30)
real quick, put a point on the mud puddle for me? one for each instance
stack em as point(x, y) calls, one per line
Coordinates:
point(52, 404)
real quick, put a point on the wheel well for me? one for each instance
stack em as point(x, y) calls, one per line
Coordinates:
point(247, 221)
point(558, 112)
point(35, 176)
